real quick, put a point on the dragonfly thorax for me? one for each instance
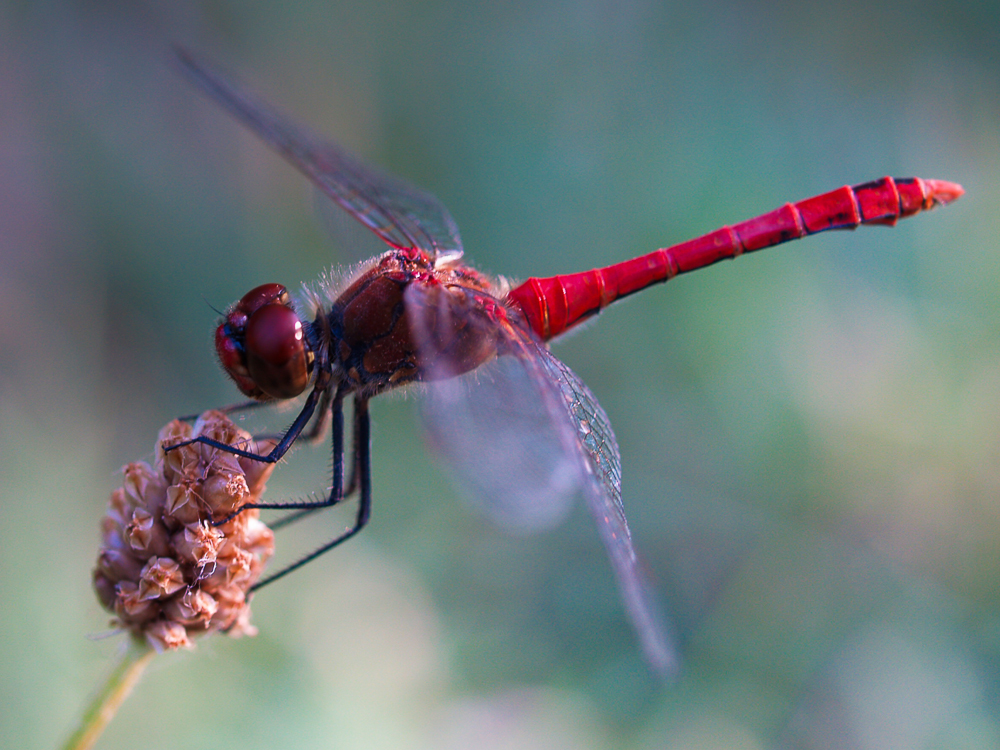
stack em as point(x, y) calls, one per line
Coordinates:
point(402, 320)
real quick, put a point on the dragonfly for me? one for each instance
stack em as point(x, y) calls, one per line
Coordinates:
point(518, 431)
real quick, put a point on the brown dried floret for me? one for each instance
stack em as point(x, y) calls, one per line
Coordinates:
point(146, 534)
point(163, 568)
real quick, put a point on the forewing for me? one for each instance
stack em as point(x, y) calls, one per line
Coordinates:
point(402, 215)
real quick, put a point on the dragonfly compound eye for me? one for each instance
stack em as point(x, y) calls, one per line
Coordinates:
point(229, 347)
point(256, 298)
point(262, 346)
point(277, 355)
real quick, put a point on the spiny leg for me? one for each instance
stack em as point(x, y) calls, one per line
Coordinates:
point(279, 450)
point(362, 427)
point(316, 432)
point(349, 490)
point(336, 491)
point(319, 427)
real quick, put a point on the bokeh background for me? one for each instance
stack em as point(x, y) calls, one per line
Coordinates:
point(811, 435)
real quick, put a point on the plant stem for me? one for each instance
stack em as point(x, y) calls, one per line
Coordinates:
point(106, 703)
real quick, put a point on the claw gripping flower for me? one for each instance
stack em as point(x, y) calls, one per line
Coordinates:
point(164, 570)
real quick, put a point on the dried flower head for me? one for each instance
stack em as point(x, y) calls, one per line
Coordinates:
point(164, 570)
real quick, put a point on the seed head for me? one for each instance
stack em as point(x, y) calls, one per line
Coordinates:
point(164, 569)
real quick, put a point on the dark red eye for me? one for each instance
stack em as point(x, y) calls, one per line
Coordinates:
point(262, 345)
point(230, 353)
point(276, 352)
point(256, 298)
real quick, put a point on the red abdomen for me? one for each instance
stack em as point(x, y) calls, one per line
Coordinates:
point(555, 304)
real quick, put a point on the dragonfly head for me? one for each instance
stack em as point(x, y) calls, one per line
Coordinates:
point(263, 347)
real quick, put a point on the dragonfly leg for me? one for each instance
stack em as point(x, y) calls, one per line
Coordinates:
point(279, 450)
point(314, 434)
point(362, 432)
point(361, 444)
point(349, 490)
point(336, 493)
point(317, 432)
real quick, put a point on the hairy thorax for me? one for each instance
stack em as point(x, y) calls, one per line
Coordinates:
point(404, 319)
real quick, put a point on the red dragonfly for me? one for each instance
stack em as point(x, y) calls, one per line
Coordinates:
point(517, 429)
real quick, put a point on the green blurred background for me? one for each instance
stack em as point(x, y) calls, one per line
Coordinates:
point(810, 436)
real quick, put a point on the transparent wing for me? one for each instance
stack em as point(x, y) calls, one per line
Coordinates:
point(602, 489)
point(499, 427)
point(402, 215)
point(522, 435)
